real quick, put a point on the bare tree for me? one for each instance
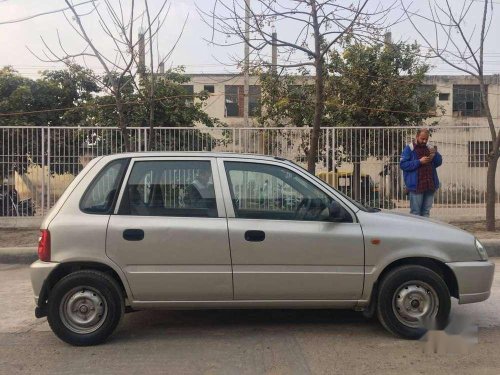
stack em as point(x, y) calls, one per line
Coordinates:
point(319, 25)
point(17, 20)
point(456, 41)
point(150, 77)
point(120, 64)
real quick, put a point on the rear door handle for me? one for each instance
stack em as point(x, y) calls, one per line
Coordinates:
point(133, 234)
point(255, 235)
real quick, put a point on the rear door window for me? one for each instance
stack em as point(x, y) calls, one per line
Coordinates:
point(170, 188)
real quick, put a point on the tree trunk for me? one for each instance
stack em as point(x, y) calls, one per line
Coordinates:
point(491, 193)
point(356, 179)
point(318, 115)
point(319, 105)
point(122, 125)
point(152, 138)
point(493, 159)
point(356, 171)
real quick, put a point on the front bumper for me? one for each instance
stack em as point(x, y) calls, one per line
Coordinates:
point(39, 271)
point(474, 280)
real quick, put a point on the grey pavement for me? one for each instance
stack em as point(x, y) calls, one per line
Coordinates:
point(238, 341)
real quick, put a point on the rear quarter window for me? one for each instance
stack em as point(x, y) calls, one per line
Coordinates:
point(100, 197)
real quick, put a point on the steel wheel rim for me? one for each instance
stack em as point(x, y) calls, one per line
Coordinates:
point(415, 303)
point(83, 310)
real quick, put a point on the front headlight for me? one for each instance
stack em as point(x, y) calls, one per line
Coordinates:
point(483, 255)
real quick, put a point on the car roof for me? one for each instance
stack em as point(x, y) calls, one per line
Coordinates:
point(193, 154)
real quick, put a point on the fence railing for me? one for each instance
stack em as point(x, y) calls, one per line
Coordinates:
point(38, 163)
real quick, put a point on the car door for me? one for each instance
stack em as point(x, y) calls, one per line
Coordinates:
point(283, 244)
point(169, 231)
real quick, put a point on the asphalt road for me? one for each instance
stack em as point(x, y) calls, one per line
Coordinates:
point(240, 341)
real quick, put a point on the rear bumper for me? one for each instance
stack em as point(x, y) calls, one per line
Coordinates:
point(39, 271)
point(474, 280)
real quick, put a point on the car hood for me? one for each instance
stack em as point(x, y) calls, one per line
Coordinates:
point(413, 218)
point(425, 235)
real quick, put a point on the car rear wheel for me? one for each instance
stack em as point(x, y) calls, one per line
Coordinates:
point(411, 300)
point(85, 307)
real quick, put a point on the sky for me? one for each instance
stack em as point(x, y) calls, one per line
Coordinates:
point(193, 50)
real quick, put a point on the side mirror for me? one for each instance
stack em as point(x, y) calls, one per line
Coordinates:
point(338, 213)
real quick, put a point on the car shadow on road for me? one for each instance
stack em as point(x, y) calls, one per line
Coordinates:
point(147, 324)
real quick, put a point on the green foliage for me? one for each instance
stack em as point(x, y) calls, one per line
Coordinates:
point(173, 106)
point(365, 86)
point(80, 98)
point(288, 100)
point(377, 85)
point(63, 91)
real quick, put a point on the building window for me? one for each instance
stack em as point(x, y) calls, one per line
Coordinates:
point(189, 92)
point(478, 153)
point(209, 88)
point(254, 101)
point(235, 100)
point(467, 101)
point(444, 96)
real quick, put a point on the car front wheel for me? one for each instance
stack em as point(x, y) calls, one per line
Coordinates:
point(85, 307)
point(411, 300)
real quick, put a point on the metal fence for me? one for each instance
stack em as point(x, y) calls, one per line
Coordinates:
point(38, 163)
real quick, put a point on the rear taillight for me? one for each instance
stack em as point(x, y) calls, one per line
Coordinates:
point(44, 245)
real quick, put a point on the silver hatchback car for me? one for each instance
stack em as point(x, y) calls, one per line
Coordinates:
point(205, 230)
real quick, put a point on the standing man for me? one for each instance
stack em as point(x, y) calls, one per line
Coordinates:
point(419, 163)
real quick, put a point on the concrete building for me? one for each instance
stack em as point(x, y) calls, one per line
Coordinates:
point(226, 96)
point(458, 96)
point(463, 137)
point(464, 134)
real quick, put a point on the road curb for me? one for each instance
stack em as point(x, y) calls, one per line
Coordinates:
point(18, 255)
point(492, 247)
point(27, 255)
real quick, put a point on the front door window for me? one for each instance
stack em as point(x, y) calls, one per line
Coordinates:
point(264, 191)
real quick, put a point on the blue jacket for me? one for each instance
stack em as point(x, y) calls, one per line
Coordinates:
point(410, 163)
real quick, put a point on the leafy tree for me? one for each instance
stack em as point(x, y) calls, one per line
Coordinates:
point(287, 101)
point(318, 27)
point(51, 100)
point(458, 43)
point(379, 85)
point(174, 107)
point(71, 97)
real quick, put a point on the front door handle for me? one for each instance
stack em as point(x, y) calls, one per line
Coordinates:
point(133, 234)
point(255, 235)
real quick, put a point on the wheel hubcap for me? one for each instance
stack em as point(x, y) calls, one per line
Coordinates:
point(414, 302)
point(83, 310)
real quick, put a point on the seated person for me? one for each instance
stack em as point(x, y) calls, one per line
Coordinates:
point(200, 193)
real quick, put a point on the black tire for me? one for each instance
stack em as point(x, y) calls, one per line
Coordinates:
point(388, 307)
point(88, 281)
